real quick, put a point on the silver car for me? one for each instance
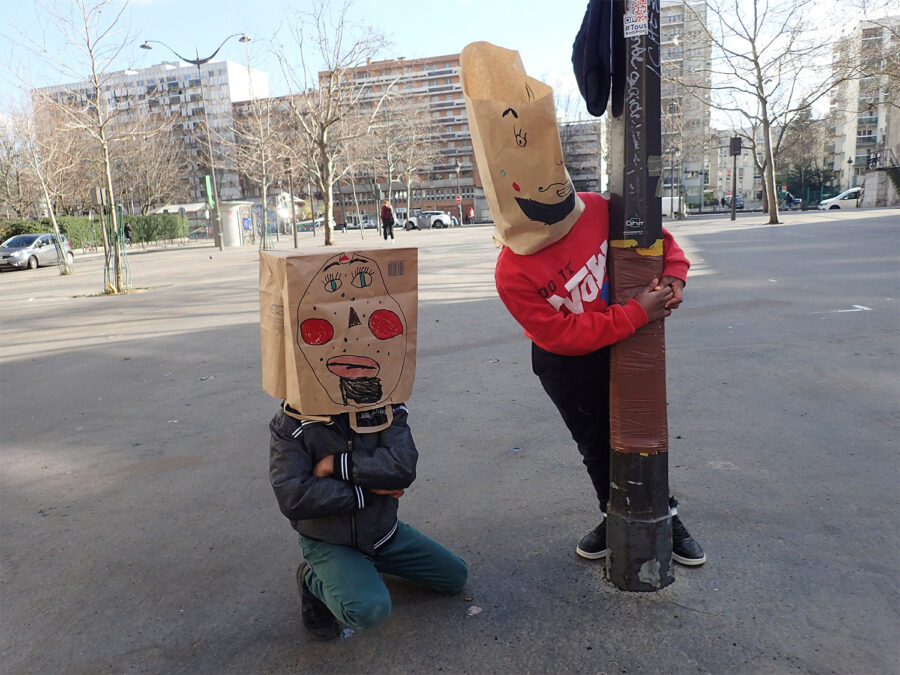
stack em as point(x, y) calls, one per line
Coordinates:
point(32, 251)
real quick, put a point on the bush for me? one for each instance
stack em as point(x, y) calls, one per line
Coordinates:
point(146, 229)
point(10, 228)
point(81, 230)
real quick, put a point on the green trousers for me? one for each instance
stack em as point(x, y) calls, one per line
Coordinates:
point(349, 582)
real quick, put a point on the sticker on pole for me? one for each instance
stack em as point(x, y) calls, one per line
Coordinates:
point(635, 19)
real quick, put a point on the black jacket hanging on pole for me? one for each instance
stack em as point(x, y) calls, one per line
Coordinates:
point(593, 56)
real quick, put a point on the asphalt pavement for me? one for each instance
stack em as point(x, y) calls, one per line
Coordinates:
point(139, 533)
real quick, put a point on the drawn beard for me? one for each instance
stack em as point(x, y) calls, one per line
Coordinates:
point(361, 390)
point(547, 213)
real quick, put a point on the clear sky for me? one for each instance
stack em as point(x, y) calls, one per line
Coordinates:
point(541, 31)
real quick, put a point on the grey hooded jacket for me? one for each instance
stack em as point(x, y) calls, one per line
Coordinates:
point(340, 509)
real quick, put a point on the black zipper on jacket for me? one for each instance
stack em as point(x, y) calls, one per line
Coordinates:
point(349, 442)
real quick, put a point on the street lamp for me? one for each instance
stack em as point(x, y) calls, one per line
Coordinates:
point(217, 227)
point(458, 193)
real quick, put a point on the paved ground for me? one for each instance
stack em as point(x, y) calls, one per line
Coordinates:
point(139, 532)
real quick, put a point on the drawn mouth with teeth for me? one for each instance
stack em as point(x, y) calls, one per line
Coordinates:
point(549, 213)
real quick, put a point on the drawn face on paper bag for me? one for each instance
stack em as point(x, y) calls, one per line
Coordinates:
point(518, 149)
point(352, 332)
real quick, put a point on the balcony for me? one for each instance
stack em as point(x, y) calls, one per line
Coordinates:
point(865, 140)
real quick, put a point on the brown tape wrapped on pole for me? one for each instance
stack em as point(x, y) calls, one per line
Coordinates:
point(639, 528)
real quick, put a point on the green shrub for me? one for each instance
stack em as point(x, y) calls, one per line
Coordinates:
point(10, 228)
point(156, 227)
point(81, 230)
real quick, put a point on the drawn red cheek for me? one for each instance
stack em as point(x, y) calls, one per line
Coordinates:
point(384, 324)
point(316, 331)
point(516, 187)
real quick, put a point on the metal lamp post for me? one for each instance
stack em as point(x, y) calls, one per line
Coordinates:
point(217, 226)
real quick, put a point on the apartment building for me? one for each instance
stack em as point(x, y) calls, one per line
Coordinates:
point(722, 166)
point(433, 82)
point(581, 146)
point(174, 89)
point(685, 53)
point(863, 115)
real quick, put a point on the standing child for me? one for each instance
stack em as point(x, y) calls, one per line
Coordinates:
point(551, 272)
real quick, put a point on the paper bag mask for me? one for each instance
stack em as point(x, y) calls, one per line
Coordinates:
point(516, 141)
point(338, 330)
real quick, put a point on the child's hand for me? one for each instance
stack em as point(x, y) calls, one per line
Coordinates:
point(396, 494)
point(654, 299)
point(677, 286)
point(324, 467)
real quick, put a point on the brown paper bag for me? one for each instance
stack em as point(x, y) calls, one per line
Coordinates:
point(349, 328)
point(516, 142)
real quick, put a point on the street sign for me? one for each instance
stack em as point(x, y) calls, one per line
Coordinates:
point(736, 145)
point(458, 199)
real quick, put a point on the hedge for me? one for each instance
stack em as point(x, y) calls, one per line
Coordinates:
point(81, 230)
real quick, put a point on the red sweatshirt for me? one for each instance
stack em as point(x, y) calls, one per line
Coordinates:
point(560, 295)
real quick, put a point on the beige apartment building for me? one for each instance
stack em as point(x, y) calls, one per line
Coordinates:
point(685, 52)
point(173, 88)
point(864, 118)
point(433, 82)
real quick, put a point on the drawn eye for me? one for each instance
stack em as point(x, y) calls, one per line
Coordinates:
point(316, 331)
point(332, 282)
point(521, 137)
point(362, 278)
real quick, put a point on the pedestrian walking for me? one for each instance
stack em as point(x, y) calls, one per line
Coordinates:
point(387, 219)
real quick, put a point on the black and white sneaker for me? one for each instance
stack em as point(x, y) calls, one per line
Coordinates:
point(317, 618)
point(593, 545)
point(685, 549)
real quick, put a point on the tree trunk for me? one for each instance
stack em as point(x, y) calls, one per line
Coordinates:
point(264, 240)
point(769, 174)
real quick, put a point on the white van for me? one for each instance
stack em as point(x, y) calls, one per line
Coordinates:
point(848, 199)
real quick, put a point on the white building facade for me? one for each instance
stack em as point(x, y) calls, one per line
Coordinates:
point(174, 89)
point(864, 117)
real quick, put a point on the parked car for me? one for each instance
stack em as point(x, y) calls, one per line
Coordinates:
point(848, 199)
point(738, 203)
point(425, 219)
point(32, 251)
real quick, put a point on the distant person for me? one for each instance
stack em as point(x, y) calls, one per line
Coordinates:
point(127, 231)
point(387, 219)
point(723, 202)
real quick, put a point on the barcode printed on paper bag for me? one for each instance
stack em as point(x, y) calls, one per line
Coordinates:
point(395, 268)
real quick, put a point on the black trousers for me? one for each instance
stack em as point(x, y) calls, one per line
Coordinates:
point(579, 387)
point(387, 227)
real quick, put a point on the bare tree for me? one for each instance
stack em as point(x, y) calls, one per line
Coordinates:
point(259, 148)
point(96, 34)
point(419, 149)
point(319, 103)
point(19, 187)
point(149, 160)
point(767, 68)
point(49, 152)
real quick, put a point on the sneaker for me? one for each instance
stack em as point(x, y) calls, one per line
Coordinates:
point(684, 548)
point(593, 545)
point(317, 618)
